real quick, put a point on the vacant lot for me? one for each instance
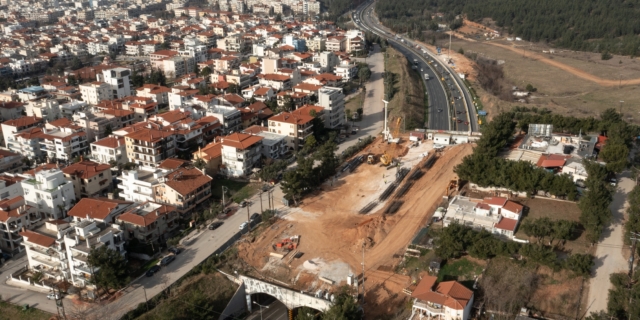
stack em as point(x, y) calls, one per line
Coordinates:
point(237, 190)
point(355, 103)
point(408, 99)
point(464, 270)
point(13, 312)
point(556, 210)
point(559, 90)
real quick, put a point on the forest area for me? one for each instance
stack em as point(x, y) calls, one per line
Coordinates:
point(602, 26)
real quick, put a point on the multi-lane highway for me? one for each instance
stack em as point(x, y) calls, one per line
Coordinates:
point(449, 108)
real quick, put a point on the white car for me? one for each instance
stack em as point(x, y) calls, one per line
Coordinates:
point(243, 225)
point(53, 296)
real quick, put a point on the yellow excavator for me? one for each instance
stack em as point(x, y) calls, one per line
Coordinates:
point(388, 155)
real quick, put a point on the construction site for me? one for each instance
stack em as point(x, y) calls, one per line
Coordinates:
point(360, 221)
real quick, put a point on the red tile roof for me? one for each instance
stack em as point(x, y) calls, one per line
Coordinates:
point(240, 141)
point(38, 238)
point(507, 224)
point(495, 201)
point(450, 293)
point(185, 181)
point(95, 208)
point(86, 169)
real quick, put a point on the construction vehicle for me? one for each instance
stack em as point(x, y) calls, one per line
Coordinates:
point(452, 187)
point(388, 155)
point(287, 244)
point(371, 159)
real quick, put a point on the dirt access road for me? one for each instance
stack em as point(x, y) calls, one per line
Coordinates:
point(575, 71)
point(611, 251)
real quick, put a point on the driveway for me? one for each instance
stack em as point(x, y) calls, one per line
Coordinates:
point(373, 116)
point(611, 251)
point(21, 296)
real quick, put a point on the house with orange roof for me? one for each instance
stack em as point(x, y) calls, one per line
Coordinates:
point(149, 145)
point(149, 222)
point(10, 162)
point(184, 188)
point(447, 300)
point(44, 253)
point(211, 154)
point(241, 153)
point(109, 150)
point(497, 215)
point(159, 94)
point(90, 179)
point(296, 125)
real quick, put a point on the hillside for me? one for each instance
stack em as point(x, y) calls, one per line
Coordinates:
point(592, 25)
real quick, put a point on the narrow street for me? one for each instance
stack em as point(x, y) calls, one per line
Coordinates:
point(611, 251)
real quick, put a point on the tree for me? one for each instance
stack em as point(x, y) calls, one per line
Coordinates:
point(137, 80)
point(110, 268)
point(200, 163)
point(233, 88)
point(615, 155)
point(205, 72)
point(310, 142)
point(71, 80)
point(581, 264)
point(344, 307)
point(305, 313)
point(76, 64)
point(531, 88)
point(364, 73)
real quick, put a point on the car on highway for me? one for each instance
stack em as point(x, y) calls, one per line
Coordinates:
point(466, 122)
point(166, 260)
point(215, 225)
point(422, 69)
point(439, 110)
point(243, 226)
point(152, 270)
point(458, 112)
point(459, 121)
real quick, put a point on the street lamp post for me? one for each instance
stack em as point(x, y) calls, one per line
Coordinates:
point(261, 306)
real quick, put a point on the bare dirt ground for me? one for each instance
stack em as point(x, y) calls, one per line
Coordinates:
point(557, 294)
point(332, 232)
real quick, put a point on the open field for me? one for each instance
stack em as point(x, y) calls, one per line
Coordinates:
point(355, 103)
point(587, 94)
point(237, 190)
point(408, 101)
point(332, 232)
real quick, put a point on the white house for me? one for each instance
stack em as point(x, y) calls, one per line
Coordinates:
point(332, 100)
point(497, 215)
point(109, 149)
point(138, 185)
point(50, 192)
point(240, 153)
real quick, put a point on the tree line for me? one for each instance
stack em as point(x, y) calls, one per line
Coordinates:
point(485, 168)
point(596, 25)
point(457, 240)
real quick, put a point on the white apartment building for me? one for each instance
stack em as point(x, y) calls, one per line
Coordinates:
point(49, 192)
point(109, 149)
point(45, 249)
point(138, 185)
point(14, 216)
point(11, 127)
point(296, 126)
point(241, 152)
point(63, 143)
point(119, 81)
point(347, 71)
point(46, 109)
point(230, 117)
point(95, 92)
point(332, 100)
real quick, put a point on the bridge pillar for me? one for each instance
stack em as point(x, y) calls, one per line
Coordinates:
point(290, 313)
point(249, 303)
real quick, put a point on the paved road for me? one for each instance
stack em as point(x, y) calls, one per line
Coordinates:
point(611, 251)
point(373, 115)
point(454, 112)
point(21, 296)
point(272, 309)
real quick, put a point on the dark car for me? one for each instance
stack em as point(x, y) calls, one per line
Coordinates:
point(459, 121)
point(166, 260)
point(152, 270)
point(243, 204)
point(175, 250)
point(215, 225)
point(254, 216)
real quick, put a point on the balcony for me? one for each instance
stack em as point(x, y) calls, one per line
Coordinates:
point(50, 262)
point(430, 308)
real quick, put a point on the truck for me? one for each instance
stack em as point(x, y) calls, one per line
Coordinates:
point(426, 76)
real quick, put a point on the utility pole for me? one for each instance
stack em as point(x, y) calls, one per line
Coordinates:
point(59, 306)
point(146, 301)
point(260, 194)
point(449, 52)
point(223, 191)
point(363, 245)
point(634, 239)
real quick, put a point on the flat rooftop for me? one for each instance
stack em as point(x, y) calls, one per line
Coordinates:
point(560, 144)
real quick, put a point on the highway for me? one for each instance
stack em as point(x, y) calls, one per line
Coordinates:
point(448, 108)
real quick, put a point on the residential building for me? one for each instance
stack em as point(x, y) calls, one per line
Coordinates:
point(139, 184)
point(13, 126)
point(149, 222)
point(63, 143)
point(45, 249)
point(296, 126)
point(159, 94)
point(497, 215)
point(101, 210)
point(16, 215)
point(447, 300)
point(10, 162)
point(90, 179)
point(119, 81)
point(274, 145)
point(211, 154)
point(184, 188)
point(332, 100)
point(49, 192)
point(149, 146)
point(241, 152)
point(110, 150)
point(10, 109)
point(348, 71)
point(230, 117)
point(95, 92)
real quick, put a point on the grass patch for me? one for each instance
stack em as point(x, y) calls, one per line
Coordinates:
point(462, 270)
point(408, 99)
point(355, 103)
point(14, 312)
point(237, 190)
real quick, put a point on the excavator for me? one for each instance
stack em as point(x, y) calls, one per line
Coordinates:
point(387, 158)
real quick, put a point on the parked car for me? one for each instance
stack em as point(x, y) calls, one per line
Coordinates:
point(152, 270)
point(175, 250)
point(243, 204)
point(215, 225)
point(53, 296)
point(254, 216)
point(243, 226)
point(166, 260)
